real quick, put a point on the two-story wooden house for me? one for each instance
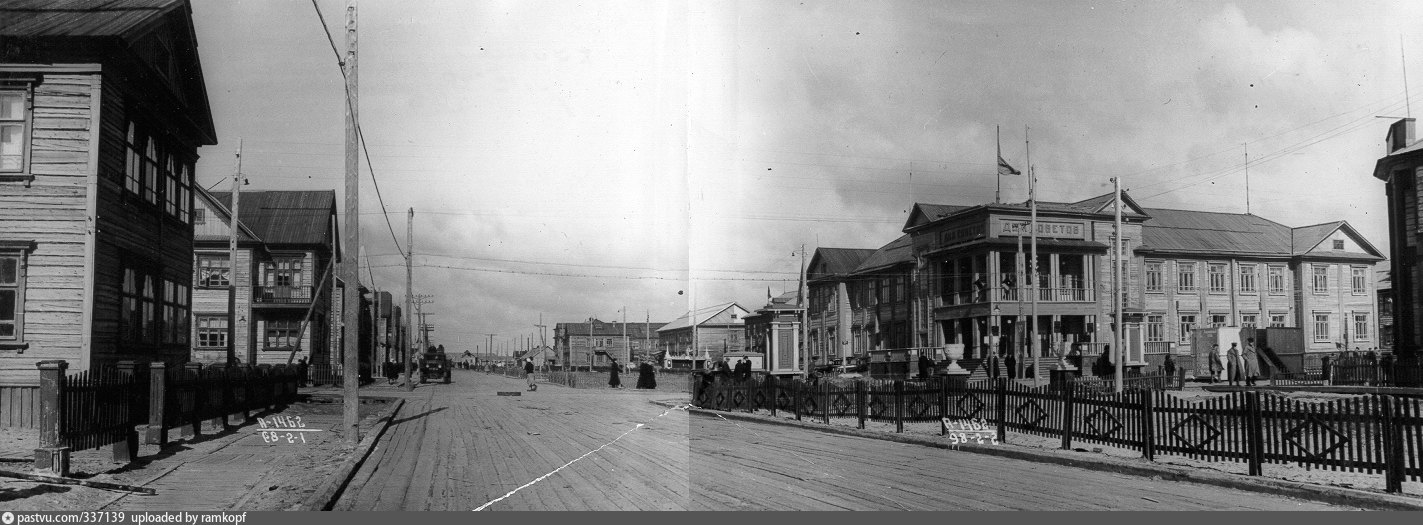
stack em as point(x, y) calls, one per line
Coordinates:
point(102, 110)
point(703, 335)
point(283, 277)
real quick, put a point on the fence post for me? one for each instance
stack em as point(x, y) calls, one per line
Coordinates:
point(899, 405)
point(795, 397)
point(155, 433)
point(1324, 365)
point(126, 449)
point(825, 387)
point(860, 400)
point(751, 388)
point(1392, 436)
point(1067, 404)
point(1002, 410)
point(51, 455)
point(1148, 424)
point(772, 384)
point(1253, 441)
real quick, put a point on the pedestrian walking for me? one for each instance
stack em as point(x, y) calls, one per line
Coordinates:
point(613, 380)
point(1011, 363)
point(1252, 362)
point(924, 364)
point(1235, 367)
point(1213, 361)
point(529, 373)
point(301, 372)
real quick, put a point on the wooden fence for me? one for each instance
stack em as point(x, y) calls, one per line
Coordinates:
point(109, 406)
point(1379, 434)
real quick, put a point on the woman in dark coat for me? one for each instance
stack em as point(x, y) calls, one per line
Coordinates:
point(645, 379)
point(613, 380)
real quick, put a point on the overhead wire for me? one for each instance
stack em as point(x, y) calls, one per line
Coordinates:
point(360, 135)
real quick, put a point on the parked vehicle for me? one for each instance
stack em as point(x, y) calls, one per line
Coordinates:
point(435, 366)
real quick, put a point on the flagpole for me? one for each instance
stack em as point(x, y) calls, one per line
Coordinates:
point(1033, 263)
point(997, 194)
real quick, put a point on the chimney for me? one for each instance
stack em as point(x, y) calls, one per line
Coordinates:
point(1400, 135)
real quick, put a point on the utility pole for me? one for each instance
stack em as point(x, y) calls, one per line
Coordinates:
point(1117, 272)
point(232, 261)
point(409, 296)
point(1033, 264)
point(804, 320)
point(351, 298)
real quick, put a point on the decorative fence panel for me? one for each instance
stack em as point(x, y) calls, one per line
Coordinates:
point(97, 408)
point(1376, 434)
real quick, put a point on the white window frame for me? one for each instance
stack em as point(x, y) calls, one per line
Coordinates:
point(1361, 328)
point(19, 252)
point(1248, 276)
point(1184, 270)
point(1319, 278)
point(1155, 328)
point(1359, 280)
point(204, 324)
point(1223, 276)
point(1284, 319)
point(1185, 327)
point(1154, 274)
point(26, 123)
point(1249, 319)
point(1276, 275)
point(1321, 327)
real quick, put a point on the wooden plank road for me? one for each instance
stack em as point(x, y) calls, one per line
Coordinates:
point(460, 446)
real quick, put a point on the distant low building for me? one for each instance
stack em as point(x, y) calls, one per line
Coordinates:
point(590, 343)
point(703, 335)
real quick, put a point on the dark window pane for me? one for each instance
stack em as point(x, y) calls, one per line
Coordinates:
point(7, 305)
point(9, 270)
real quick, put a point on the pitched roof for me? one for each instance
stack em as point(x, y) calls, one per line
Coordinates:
point(838, 261)
point(1307, 237)
point(600, 328)
point(38, 18)
point(898, 251)
point(244, 232)
point(1201, 231)
point(286, 217)
point(702, 314)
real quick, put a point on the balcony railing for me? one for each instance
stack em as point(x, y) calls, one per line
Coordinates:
point(1013, 294)
point(281, 294)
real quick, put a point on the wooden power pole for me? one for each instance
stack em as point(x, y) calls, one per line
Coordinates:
point(351, 297)
point(409, 296)
point(232, 261)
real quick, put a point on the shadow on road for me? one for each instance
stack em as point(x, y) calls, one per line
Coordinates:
point(417, 416)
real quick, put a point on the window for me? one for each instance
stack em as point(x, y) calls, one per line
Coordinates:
point(138, 320)
point(1218, 281)
point(1277, 319)
point(1361, 326)
point(199, 216)
point(1247, 279)
point(286, 271)
point(1153, 276)
point(1219, 320)
point(281, 334)
point(150, 171)
point(1277, 280)
point(1339, 244)
point(1188, 323)
point(1186, 277)
point(133, 162)
point(899, 295)
point(12, 296)
point(884, 291)
point(14, 131)
point(1360, 280)
point(170, 186)
point(213, 271)
point(175, 313)
point(1155, 328)
point(1250, 320)
point(1321, 278)
point(1321, 326)
point(212, 331)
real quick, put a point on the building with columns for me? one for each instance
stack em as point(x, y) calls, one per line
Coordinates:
point(1399, 168)
point(958, 275)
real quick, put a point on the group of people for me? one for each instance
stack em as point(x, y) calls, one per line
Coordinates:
point(646, 375)
point(1239, 366)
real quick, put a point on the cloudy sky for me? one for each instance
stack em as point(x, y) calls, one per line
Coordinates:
point(571, 160)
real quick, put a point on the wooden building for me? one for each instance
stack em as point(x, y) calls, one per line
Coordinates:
point(965, 280)
point(286, 250)
point(580, 344)
point(102, 110)
point(703, 335)
point(1399, 168)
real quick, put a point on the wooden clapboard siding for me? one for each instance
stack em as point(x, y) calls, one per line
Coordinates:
point(210, 301)
point(51, 212)
point(19, 406)
point(131, 228)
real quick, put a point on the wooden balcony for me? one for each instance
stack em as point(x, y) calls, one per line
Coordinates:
point(282, 295)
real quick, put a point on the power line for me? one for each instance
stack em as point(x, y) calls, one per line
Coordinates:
point(370, 168)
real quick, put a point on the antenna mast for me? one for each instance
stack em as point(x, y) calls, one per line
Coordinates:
point(1247, 177)
point(1406, 104)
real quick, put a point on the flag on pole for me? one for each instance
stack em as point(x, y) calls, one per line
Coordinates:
point(1004, 168)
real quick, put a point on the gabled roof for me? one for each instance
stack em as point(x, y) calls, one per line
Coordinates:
point(600, 328)
point(287, 217)
point(1103, 204)
point(702, 314)
point(837, 261)
point(122, 18)
point(1306, 238)
point(899, 251)
point(225, 215)
point(130, 21)
point(1211, 232)
point(923, 213)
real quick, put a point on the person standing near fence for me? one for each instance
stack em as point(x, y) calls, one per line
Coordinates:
point(1252, 362)
point(1213, 361)
point(613, 380)
point(529, 372)
point(1235, 368)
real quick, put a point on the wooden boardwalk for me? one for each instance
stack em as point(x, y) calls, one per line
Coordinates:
point(461, 446)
